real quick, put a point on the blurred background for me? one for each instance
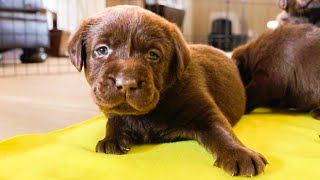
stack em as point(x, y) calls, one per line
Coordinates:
point(41, 91)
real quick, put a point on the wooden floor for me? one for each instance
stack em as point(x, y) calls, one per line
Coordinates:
point(43, 103)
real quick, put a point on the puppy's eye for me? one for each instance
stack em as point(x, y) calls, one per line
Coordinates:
point(102, 51)
point(153, 55)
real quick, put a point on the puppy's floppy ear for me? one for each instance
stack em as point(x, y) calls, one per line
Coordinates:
point(76, 47)
point(239, 55)
point(282, 4)
point(182, 51)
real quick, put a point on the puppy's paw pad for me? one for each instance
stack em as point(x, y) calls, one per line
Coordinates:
point(242, 162)
point(111, 147)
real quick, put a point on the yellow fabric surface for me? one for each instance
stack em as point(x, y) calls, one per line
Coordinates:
point(289, 141)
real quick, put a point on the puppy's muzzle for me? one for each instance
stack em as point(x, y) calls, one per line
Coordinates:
point(129, 90)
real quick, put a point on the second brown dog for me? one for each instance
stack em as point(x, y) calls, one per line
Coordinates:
point(282, 69)
point(299, 11)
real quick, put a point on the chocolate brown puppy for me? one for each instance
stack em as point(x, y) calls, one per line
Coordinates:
point(155, 88)
point(299, 11)
point(281, 68)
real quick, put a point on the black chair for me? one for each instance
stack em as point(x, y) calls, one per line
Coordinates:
point(221, 35)
point(23, 24)
point(173, 15)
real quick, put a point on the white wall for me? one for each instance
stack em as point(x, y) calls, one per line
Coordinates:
point(187, 22)
point(72, 12)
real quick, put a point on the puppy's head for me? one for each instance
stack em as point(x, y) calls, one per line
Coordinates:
point(130, 57)
point(299, 7)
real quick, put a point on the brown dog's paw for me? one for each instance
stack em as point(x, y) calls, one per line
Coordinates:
point(113, 146)
point(315, 113)
point(241, 162)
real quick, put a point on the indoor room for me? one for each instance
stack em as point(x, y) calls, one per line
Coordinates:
point(159, 89)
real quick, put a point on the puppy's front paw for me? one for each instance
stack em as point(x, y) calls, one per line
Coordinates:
point(113, 146)
point(241, 162)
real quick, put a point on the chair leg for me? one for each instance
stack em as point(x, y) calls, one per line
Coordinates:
point(33, 55)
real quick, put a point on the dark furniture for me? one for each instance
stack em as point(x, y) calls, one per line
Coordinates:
point(221, 35)
point(171, 14)
point(23, 24)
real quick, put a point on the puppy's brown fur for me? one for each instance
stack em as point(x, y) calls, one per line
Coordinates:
point(284, 18)
point(282, 68)
point(299, 11)
point(155, 88)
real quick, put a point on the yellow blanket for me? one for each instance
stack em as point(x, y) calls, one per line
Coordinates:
point(289, 141)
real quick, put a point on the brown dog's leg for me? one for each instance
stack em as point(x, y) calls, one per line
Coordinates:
point(117, 140)
point(231, 154)
point(315, 113)
point(260, 94)
point(255, 97)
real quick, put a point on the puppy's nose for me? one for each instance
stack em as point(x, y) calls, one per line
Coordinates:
point(126, 85)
